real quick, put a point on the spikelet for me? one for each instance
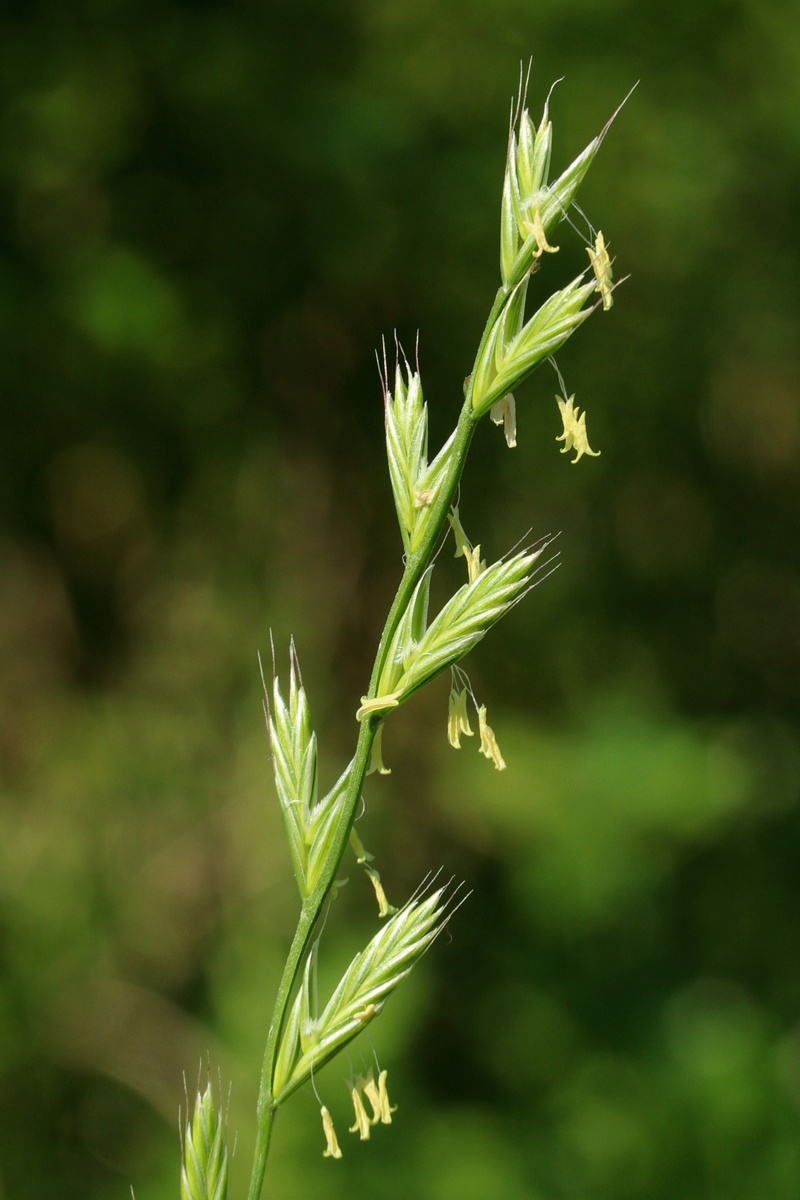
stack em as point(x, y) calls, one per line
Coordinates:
point(204, 1151)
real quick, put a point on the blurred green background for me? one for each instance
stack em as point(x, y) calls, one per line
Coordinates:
point(211, 215)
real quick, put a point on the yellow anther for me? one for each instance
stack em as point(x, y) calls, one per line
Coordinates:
point(370, 1089)
point(362, 855)
point(423, 498)
point(504, 413)
point(378, 1097)
point(377, 705)
point(574, 436)
point(332, 1148)
point(385, 909)
point(536, 228)
point(489, 747)
point(475, 564)
point(463, 544)
point(457, 717)
point(386, 1109)
point(376, 762)
point(362, 1121)
point(601, 265)
point(367, 1013)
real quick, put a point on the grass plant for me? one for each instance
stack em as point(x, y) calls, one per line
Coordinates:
point(414, 648)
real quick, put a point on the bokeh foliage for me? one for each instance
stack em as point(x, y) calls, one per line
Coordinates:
point(211, 214)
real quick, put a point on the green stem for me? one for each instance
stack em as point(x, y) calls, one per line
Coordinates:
point(416, 564)
point(312, 906)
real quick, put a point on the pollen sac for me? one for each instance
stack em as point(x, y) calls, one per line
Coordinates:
point(384, 1109)
point(385, 909)
point(457, 718)
point(463, 544)
point(536, 228)
point(504, 413)
point(601, 265)
point(362, 1121)
point(378, 1098)
point(574, 436)
point(376, 762)
point(489, 747)
point(332, 1149)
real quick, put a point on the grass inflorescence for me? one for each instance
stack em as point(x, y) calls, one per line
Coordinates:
point(415, 647)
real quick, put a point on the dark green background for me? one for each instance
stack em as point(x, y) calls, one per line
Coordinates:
point(211, 215)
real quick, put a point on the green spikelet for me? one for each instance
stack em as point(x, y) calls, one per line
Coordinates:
point(204, 1169)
